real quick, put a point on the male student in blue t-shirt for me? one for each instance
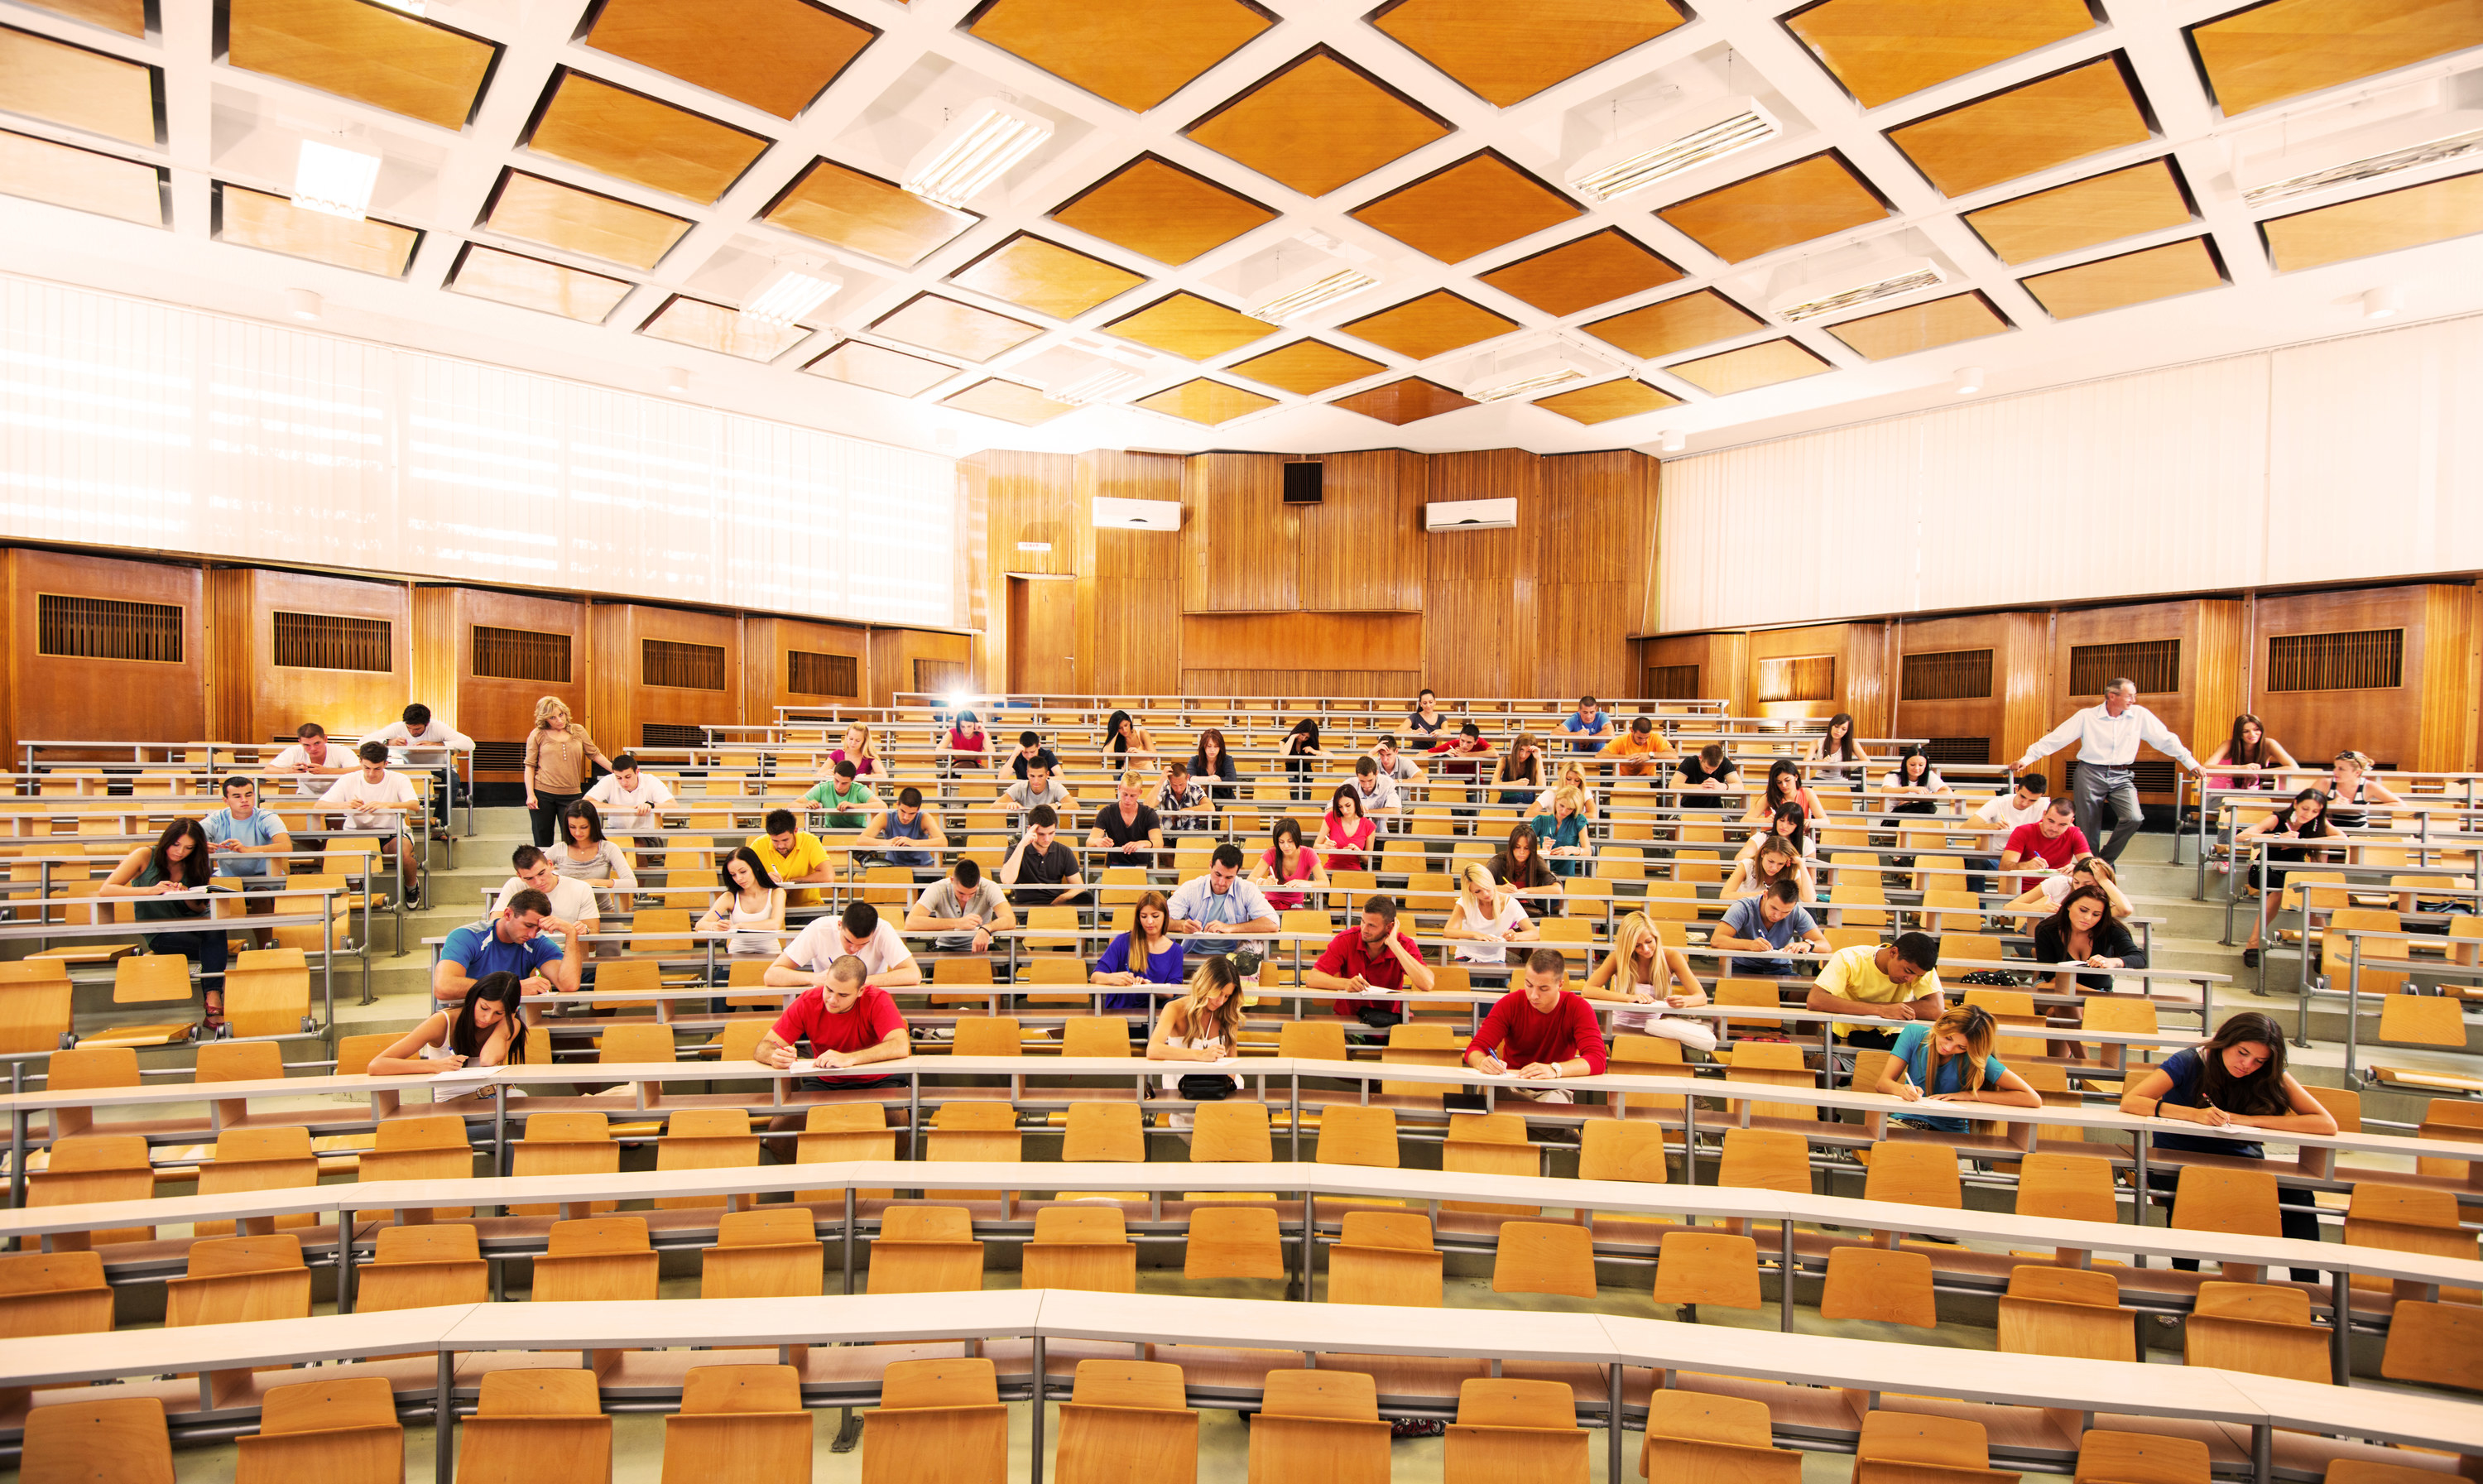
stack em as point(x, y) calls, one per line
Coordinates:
point(241, 836)
point(1589, 725)
point(1774, 921)
point(512, 942)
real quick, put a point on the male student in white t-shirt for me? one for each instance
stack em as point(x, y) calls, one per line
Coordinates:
point(428, 744)
point(315, 764)
point(629, 798)
point(1999, 817)
point(859, 931)
point(374, 799)
point(571, 900)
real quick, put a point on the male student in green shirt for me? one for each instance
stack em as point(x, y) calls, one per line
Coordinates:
point(843, 790)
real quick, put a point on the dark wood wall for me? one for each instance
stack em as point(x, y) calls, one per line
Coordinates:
point(60, 697)
point(251, 697)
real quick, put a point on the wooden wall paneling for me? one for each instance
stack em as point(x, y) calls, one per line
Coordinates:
point(2131, 624)
point(1362, 545)
point(1135, 591)
point(1870, 689)
point(497, 708)
point(1240, 544)
point(1379, 684)
point(1478, 609)
point(1027, 497)
point(1855, 671)
point(254, 698)
point(2317, 725)
point(1303, 641)
point(1985, 716)
point(627, 704)
point(71, 698)
point(1722, 660)
point(1591, 533)
point(895, 653)
point(766, 642)
point(2452, 678)
point(2216, 664)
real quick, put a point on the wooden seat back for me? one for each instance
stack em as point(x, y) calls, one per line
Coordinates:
point(1104, 1134)
point(1704, 1266)
point(1233, 1241)
point(1364, 1136)
point(2257, 1328)
point(937, 1420)
point(1873, 1283)
point(324, 1432)
point(773, 1252)
point(1231, 1132)
point(1544, 1257)
point(738, 1422)
point(566, 1144)
point(2109, 1457)
point(98, 1440)
point(1082, 1247)
point(1319, 1424)
point(1513, 1429)
point(1699, 1435)
point(90, 1167)
point(1385, 1257)
point(53, 1294)
point(925, 1249)
point(420, 1267)
point(705, 1139)
point(2437, 1345)
point(1918, 1447)
point(595, 1259)
point(536, 1427)
point(1614, 1151)
point(1126, 1421)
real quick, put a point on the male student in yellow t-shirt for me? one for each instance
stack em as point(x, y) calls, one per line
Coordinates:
point(1638, 750)
point(1888, 985)
point(793, 856)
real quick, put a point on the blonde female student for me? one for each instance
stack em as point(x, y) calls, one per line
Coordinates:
point(1203, 1025)
point(1642, 968)
point(1950, 1061)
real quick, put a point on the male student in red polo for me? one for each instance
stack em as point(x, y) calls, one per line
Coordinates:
point(1375, 956)
point(1541, 1031)
point(849, 1022)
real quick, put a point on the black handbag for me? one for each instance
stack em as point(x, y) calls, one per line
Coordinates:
point(1205, 1086)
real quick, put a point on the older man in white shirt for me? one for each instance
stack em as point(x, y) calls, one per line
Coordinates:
point(2108, 738)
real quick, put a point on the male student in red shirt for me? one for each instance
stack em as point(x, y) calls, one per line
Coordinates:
point(2054, 838)
point(849, 1022)
point(1541, 1031)
point(1375, 956)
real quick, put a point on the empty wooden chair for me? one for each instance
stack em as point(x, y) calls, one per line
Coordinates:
point(1104, 1134)
point(2398, 1218)
point(420, 1267)
point(2243, 1202)
point(234, 1280)
point(1631, 1151)
point(773, 1252)
point(705, 1139)
point(536, 1427)
point(2438, 1345)
point(34, 1004)
point(1385, 1257)
point(925, 1249)
point(937, 1420)
point(1873, 1283)
point(1913, 1174)
point(89, 1167)
point(597, 1258)
point(1698, 1436)
point(150, 979)
point(2108, 1457)
point(324, 1432)
point(1510, 1429)
point(1489, 1144)
point(429, 1148)
point(1357, 1135)
point(1127, 1423)
point(2257, 1328)
point(2066, 1311)
point(566, 1144)
point(267, 992)
point(741, 1422)
point(1319, 1425)
point(1233, 1241)
point(53, 1294)
point(1082, 1247)
point(1701, 1265)
point(1544, 1257)
point(1917, 1447)
point(98, 1440)
point(252, 1159)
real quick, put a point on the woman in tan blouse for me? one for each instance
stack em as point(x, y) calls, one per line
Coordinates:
point(556, 757)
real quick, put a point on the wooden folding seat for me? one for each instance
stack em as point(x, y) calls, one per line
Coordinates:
point(426, 1147)
point(152, 979)
point(1874, 1282)
point(2209, 1197)
point(1126, 1423)
point(1920, 1447)
point(1104, 1134)
point(249, 1159)
point(1095, 1035)
point(964, 981)
point(1233, 1241)
point(925, 1249)
point(1510, 1429)
point(566, 1143)
point(705, 1139)
point(1234, 1132)
point(1756, 994)
point(267, 992)
point(1647, 1056)
point(1544, 1257)
point(739, 1422)
point(1701, 1265)
point(937, 1420)
point(2066, 1311)
point(1052, 930)
point(2258, 1328)
point(239, 1280)
point(1631, 1151)
point(536, 1427)
point(1489, 1144)
point(1081, 1246)
point(2436, 1345)
point(664, 933)
point(97, 1438)
point(81, 907)
point(324, 1432)
point(1769, 1064)
point(87, 1168)
point(420, 1267)
point(33, 1005)
point(1385, 1257)
point(2108, 1457)
point(1319, 1424)
point(595, 1260)
point(773, 1252)
point(1913, 1174)
point(618, 977)
point(1422, 1044)
point(1365, 1136)
point(988, 1035)
point(1573, 937)
point(53, 1294)
point(2407, 1218)
point(1945, 908)
point(1693, 1437)
point(2335, 950)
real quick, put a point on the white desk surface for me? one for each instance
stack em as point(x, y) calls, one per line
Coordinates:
point(62, 1360)
point(777, 1321)
point(1370, 1329)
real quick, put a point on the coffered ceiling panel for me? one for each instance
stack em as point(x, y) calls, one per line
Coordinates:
point(2409, 218)
point(1752, 366)
point(531, 284)
point(845, 207)
point(1608, 400)
point(2144, 198)
point(774, 55)
point(1472, 206)
point(126, 17)
point(255, 218)
point(1507, 53)
point(77, 87)
point(2183, 267)
point(1206, 401)
point(638, 139)
point(1136, 53)
point(1400, 403)
point(861, 363)
point(82, 179)
point(1884, 49)
point(1921, 327)
point(562, 216)
point(1433, 324)
point(1307, 367)
point(1045, 277)
point(2264, 54)
point(1778, 208)
point(1008, 401)
point(2032, 127)
point(1318, 122)
point(719, 327)
point(954, 328)
point(369, 53)
point(1675, 325)
point(1595, 269)
point(1189, 326)
point(1155, 207)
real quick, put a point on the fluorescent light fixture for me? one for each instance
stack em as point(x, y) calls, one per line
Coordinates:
point(1691, 137)
point(333, 180)
point(2385, 303)
point(1970, 380)
point(976, 148)
point(1861, 283)
point(2359, 154)
point(1318, 294)
point(795, 288)
point(1538, 372)
point(302, 304)
point(1101, 384)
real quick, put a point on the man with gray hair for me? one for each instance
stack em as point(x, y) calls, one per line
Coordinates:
point(2107, 738)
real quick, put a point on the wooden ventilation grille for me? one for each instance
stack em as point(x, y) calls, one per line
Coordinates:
point(499, 757)
point(666, 734)
point(1953, 675)
point(1956, 752)
point(2370, 659)
point(107, 628)
point(685, 667)
point(938, 676)
point(1805, 678)
point(323, 640)
point(2153, 665)
point(822, 675)
point(1671, 682)
point(518, 655)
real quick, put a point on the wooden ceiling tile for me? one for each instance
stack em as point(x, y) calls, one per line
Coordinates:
point(2144, 198)
point(1921, 327)
point(255, 218)
point(774, 55)
point(2406, 218)
point(1007, 400)
point(2264, 54)
point(1884, 49)
point(562, 216)
point(1608, 400)
point(1400, 403)
point(1472, 206)
point(1189, 326)
point(1318, 122)
point(2183, 267)
point(1205, 401)
point(845, 207)
point(1507, 53)
point(77, 86)
point(1307, 367)
point(1155, 207)
point(1136, 53)
point(1810, 198)
point(1045, 276)
point(80, 180)
point(1675, 325)
point(126, 17)
point(531, 284)
point(2033, 127)
point(369, 53)
point(638, 138)
point(862, 363)
point(1752, 366)
point(954, 328)
point(1433, 324)
point(1595, 269)
point(718, 328)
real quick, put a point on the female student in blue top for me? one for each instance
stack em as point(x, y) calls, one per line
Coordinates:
point(2236, 1080)
point(1561, 829)
point(1950, 1061)
point(1148, 954)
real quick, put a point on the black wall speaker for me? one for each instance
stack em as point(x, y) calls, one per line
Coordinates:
point(1303, 483)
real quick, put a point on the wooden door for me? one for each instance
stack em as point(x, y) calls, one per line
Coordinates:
point(1043, 632)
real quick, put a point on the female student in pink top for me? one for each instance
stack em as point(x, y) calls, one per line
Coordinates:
point(1345, 835)
point(1287, 859)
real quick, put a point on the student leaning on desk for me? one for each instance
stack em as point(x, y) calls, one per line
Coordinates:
point(1539, 1031)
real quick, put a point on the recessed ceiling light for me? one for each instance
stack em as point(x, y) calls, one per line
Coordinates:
point(302, 304)
point(1318, 293)
point(2385, 303)
point(976, 148)
point(1684, 138)
point(1970, 380)
point(1672, 441)
point(677, 381)
point(333, 180)
point(1862, 284)
point(1542, 370)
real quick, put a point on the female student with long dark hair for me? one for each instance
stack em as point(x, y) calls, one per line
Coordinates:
point(1286, 860)
point(177, 861)
point(1213, 766)
point(2307, 818)
point(484, 1029)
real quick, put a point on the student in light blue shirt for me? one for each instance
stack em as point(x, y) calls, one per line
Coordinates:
point(1220, 898)
point(1589, 725)
point(1950, 1061)
point(241, 835)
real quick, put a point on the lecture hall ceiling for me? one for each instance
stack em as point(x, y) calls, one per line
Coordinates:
point(596, 189)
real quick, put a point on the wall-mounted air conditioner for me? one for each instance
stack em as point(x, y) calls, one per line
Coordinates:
point(1112, 515)
point(1470, 515)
